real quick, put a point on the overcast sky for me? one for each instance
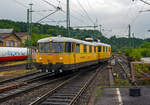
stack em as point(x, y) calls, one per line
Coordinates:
point(113, 15)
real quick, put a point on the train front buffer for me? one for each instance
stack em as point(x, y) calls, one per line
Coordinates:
point(49, 62)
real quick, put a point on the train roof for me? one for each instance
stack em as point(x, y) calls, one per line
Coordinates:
point(101, 44)
point(66, 39)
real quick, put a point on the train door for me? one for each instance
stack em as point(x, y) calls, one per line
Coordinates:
point(74, 55)
point(99, 53)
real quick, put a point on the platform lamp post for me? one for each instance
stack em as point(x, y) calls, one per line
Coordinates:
point(29, 38)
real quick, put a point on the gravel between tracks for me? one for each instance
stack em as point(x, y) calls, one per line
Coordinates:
point(101, 80)
point(26, 98)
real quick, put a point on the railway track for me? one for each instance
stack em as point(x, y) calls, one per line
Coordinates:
point(11, 89)
point(122, 67)
point(23, 79)
point(12, 67)
point(17, 78)
point(6, 96)
point(68, 92)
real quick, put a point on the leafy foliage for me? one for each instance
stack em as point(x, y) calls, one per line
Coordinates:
point(142, 51)
point(45, 30)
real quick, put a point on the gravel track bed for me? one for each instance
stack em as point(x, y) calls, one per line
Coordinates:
point(103, 78)
point(118, 68)
point(26, 98)
point(13, 67)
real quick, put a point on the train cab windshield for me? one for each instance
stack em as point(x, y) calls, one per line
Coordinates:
point(57, 47)
point(54, 47)
point(44, 47)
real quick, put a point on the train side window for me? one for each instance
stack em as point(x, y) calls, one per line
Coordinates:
point(90, 49)
point(85, 48)
point(72, 47)
point(95, 49)
point(68, 47)
point(106, 49)
point(78, 48)
point(103, 48)
point(99, 49)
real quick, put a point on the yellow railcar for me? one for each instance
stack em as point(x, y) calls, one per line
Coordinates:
point(58, 54)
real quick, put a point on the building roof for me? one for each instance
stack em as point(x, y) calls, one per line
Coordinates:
point(21, 34)
point(4, 35)
point(6, 31)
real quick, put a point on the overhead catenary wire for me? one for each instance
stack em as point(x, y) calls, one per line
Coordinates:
point(85, 12)
point(21, 4)
point(128, 14)
point(75, 12)
point(26, 7)
point(145, 2)
point(79, 10)
point(132, 21)
point(89, 4)
point(56, 7)
point(75, 17)
point(65, 12)
point(40, 11)
point(46, 16)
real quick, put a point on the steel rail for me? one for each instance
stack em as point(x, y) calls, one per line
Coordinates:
point(5, 98)
point(17, 78)
point(37, 77)
point(12, 67)
point(77, 83)
point(74, 100)
point(42, 98)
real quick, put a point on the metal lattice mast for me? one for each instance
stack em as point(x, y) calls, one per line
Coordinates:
point(129, 34)
point(68, 18)
point(29, 38)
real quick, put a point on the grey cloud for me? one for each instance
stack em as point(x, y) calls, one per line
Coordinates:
point(112, 14)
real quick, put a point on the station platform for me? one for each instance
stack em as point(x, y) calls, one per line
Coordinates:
point(120, 96)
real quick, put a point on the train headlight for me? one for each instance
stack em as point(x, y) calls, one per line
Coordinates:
point(40, 58)
point(61, 58)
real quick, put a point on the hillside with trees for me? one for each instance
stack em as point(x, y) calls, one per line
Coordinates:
point(45, 30)
point(142, 51)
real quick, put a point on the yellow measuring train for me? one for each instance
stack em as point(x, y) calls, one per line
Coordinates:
point(58, 54)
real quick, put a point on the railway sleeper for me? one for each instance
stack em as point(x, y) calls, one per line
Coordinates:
point(63, 97)
point(58, 94)
point(50, 99)
point(69, 89)
point(54, 103)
